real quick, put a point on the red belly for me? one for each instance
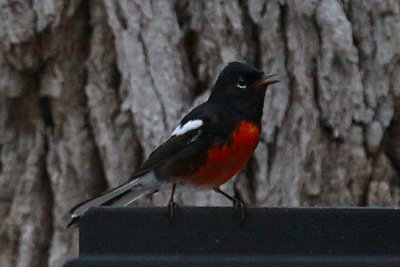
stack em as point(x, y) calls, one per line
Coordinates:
point(224, 161)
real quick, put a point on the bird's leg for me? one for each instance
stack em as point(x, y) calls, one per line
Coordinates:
point(236, 202)
point(172, 206)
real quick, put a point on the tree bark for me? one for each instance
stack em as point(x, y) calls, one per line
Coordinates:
point(89, 88)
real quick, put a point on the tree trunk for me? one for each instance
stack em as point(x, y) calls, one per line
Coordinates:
point(89, 88)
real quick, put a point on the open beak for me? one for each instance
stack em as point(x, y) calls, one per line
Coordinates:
point(265, 80)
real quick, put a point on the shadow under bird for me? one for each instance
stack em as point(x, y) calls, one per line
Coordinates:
point(208, 147)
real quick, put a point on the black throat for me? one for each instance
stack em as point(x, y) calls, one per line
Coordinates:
point(237, 109)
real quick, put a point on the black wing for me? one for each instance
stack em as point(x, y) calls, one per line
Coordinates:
point(177, 143)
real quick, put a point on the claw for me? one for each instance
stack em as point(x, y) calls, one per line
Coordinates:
point(172, 209)
point(172, 206)
point(236, 202)
point(243, 209)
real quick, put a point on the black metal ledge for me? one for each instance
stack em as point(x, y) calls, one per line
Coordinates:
point(215, 236)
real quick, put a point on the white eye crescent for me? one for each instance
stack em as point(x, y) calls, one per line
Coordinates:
point(241, 84)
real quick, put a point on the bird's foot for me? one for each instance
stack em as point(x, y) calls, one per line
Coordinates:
point(238, 204)
point(172, 209)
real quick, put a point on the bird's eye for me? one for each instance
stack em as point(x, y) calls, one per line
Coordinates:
point(241, 83)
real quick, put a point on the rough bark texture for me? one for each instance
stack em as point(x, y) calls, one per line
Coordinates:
point(89, 88)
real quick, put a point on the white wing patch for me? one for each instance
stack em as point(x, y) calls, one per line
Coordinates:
point(188, 126)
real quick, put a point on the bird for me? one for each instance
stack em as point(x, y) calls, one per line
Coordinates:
point(211, 144)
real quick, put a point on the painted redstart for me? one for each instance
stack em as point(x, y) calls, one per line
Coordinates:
point(209, 146)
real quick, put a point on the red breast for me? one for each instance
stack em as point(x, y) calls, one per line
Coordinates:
point(224, 161)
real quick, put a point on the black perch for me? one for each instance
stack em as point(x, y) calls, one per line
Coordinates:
point(217, 237)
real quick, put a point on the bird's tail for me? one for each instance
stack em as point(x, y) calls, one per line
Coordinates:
point(122, 195)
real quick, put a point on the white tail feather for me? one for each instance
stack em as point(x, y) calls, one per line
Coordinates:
point(127, 199)
point(137, 188)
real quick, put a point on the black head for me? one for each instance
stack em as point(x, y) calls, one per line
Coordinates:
point(239, 95)
point(241, 81)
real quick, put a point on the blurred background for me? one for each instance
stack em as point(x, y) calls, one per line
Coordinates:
point(89, 88)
